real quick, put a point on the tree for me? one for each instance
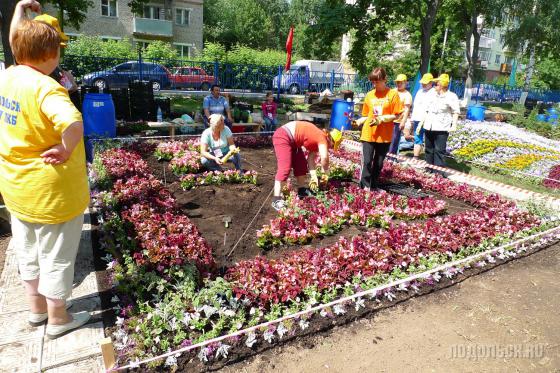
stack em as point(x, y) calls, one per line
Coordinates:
point(372, 19)
point(467, 14)
point(532, 27)
point(160, 50)
point(6, 12)
point(72, 12)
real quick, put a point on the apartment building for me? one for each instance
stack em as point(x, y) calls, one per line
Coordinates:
point(176, 21)
point(494, 56)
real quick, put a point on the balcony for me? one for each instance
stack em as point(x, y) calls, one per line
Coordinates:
point(486, 43)
point(153, 27)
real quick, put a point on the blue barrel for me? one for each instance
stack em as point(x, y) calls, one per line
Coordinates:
point(342, 114)
point(552, 111)
point(553, 118)
point(541, 117)
point(98, 112)
point(476, 113)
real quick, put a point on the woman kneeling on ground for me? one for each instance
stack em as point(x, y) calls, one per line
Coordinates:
point(288, 142)
point(215, 142)
point(43, 176)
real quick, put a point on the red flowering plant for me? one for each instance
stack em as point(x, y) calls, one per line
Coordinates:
point(187, 162)
point(250, 141)
point(342, 204)
point(553, 179)
point(379, 251)
point(167, 150)
point(191, 181)
point(167, 239)
point(122, 164)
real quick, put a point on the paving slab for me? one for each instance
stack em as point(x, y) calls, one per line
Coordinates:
point(27, 349)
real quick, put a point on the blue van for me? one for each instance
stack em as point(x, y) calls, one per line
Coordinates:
point(121, 75)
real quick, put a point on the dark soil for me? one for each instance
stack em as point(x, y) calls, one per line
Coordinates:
point(208, 206)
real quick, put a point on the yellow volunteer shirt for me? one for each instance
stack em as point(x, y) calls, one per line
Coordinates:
point(375, 105)
point(34, 111)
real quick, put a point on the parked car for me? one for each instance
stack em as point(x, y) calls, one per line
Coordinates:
point(121, 75)
point(191, 77)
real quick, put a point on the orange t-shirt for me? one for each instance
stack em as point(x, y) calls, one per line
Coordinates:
point(375, 105)
point(309, 136)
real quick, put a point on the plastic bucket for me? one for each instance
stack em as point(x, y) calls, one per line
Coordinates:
point(342, 114)
point(99, 115)
point(476, 113)
point(98, 112)
point(541, 118)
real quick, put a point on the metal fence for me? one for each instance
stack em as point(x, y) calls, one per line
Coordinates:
point(485, 92)
point(201, 75)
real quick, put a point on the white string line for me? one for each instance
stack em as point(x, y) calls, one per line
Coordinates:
point(133, 139)
point(361, 294)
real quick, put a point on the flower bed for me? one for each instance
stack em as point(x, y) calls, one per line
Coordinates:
point(506, 149)
point(326, 214)
point(170, 295)
point(218, 178)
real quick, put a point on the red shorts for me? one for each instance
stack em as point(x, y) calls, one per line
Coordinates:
point(288, 155)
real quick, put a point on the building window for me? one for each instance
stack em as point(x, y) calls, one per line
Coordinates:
point(509, 60)
point(484, 55)
point(497, 60)
point(109, 8)
point(184, 50)
point(151, 12)
point(142, 44)
point(182, 16)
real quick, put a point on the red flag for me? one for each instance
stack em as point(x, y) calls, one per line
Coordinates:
point(289, 48)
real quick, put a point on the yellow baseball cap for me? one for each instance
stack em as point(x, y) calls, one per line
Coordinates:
point(336, 135)
point(426, 78)
point(51, 21)
point(401, 78)
point(443, 79)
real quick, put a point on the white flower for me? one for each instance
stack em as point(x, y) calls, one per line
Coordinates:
point(415, 288)
point(173, 323)
point(403, 287)
point(390, 295)
point(203, 355)
point(448, 273)
point(137, 329)
point(156, 340)
point(229, 313)
point(186, 318)
point(268, 336)
point(323, 313)
point(134, 364)
point(436, 276)
point(490, 259)
point(481, 264)
point(281, 330)
point(360, 303)
point(111, 264)
point(209, 310)
point(252, 311)
point(170, 361)
point(120, 321)
point(115, 299)
point(373, 295)
point(338, 309)
point(251, 339)
point(303, 324)
point(107, 258)
point(223, 351)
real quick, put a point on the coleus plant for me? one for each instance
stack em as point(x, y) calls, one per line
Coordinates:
point(218, 177)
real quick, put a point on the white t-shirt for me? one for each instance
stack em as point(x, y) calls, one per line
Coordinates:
point(420, 106)
point(440, 111)
point(406, 100)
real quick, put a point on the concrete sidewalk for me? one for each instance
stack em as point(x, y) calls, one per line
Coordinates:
point(26, 349)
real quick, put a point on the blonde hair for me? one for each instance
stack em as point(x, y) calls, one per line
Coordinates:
point(35, 41)
point(214, 120)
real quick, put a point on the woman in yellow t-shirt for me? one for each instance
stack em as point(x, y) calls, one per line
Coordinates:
point(382, 106)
